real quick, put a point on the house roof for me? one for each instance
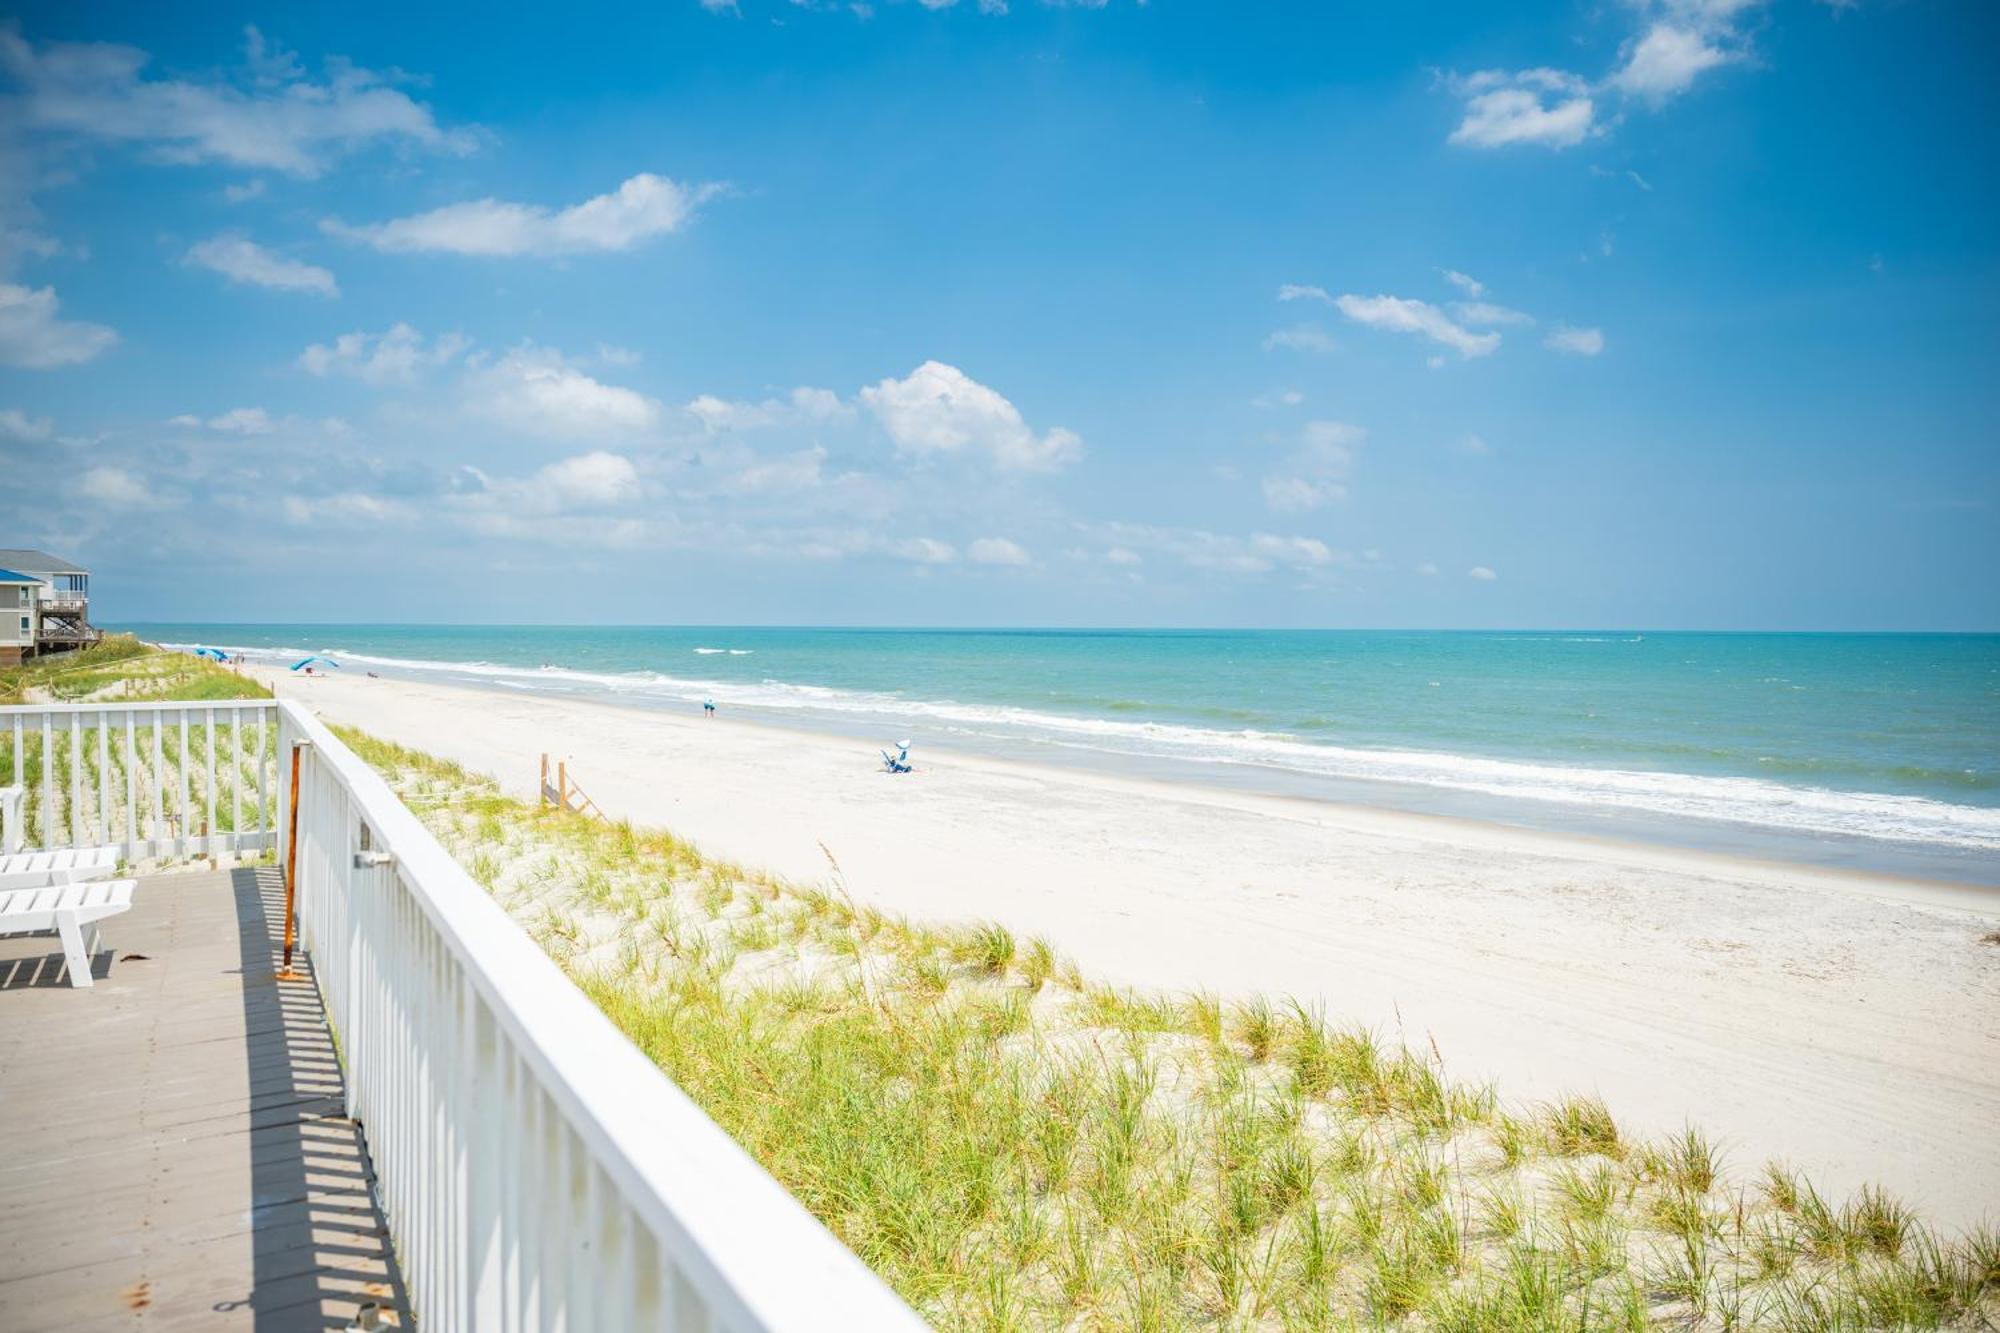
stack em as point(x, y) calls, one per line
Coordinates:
point(9, 576)
point(40, 561)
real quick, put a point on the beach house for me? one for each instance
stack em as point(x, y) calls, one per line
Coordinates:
point(47, 604)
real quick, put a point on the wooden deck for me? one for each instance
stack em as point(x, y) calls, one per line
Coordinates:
point(174, 1150)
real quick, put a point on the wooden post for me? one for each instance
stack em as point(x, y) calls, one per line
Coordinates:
point(542, 787)
point(562, 781)
point(292, 869)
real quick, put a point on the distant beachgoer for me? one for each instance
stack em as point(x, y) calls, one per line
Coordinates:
point(708, 707)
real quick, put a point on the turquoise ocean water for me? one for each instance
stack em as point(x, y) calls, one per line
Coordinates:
point(1872, 751)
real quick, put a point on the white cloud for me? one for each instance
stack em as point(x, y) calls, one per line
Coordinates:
point(18, 425)
point(1301, 338)
point(394, 356)
point(799, 471)
point(533, 390)
point(1315, 474)
point(1298, 552)
point(1428, 569)
point(240, 194)
point(1294, 291)
point(1465, 282)
point(613, 355)
point(241, 421)
point(1481, 573)
point(345, 509)
point(939, 409)
point(643, 207)
point(116, 488)
point(1532, 106)
point(243, 260)
point(924, 551)
point(1403, 315)
point(1123, 557)
point(996, 551)
point(802, 405)
point(281, 120)
point(33, 338)
point(1484, 313)
point(1282, 398)
point(596, 478)
point(1666, 62)
point(1577, 342)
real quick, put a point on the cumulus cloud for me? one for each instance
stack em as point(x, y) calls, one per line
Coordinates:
point(1465, 282)
point(243, 421)
point(924, 551)
point(1486, 313)
point(1680, 41)
point(596, 478)
point(643, 207)
point(18, 425)
point(33, 337)
point(1301, 338)
point(1577, 342)
point(939, 409)
point(1397, 314)
point(803, 404)
point(243, 260)
point(1280, 398)
point(116, 488)
point(1532, 106)
point(1293, 291)
point(1667, 60)
point(1222, 553)
point(996, 551)
point(270, 116)
point(535, 391)
point(1481, 573)
point(395, 356)
point(1315, 473)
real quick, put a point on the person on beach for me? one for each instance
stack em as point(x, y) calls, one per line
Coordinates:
point(708, 707)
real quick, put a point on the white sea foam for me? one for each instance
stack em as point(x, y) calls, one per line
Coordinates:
point(1743, 800)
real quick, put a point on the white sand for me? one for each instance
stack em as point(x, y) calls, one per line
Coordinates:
point(1848, 1024)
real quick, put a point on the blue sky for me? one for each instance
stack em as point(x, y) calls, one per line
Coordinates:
point(1659, 313)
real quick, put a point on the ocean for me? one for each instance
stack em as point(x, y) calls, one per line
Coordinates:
point(1869, 751)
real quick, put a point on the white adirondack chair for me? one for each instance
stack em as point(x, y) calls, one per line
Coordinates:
point(64, 865)
point(72, 911)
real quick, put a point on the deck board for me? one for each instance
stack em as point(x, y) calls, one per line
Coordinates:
point(176, 1154)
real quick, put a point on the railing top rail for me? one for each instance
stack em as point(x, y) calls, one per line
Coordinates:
point(135, 705)
point(747, 1245)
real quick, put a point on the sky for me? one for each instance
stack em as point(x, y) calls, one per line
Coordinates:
point(1637, 313)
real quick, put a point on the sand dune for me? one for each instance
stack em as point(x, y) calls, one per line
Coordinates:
point(1849, 1024)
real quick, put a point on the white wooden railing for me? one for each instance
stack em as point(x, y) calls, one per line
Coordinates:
point(536, 1170)
point(157, 779)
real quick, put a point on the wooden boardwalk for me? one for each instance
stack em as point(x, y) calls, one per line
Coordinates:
point(172, 1148)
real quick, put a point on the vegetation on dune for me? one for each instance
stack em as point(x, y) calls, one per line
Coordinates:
point(1012, 1147)
point(161, 766)
point(120, 668)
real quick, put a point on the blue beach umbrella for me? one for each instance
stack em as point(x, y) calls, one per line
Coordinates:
point(304, 662)
point(213, 654)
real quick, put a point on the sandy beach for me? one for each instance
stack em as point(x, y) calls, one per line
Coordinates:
point(1848, 1024)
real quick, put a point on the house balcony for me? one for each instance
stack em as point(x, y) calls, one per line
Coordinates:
point(422, 1114)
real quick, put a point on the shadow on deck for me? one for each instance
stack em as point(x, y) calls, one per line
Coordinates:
point(176, 1153)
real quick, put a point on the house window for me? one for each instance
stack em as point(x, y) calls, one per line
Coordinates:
point(24, 624)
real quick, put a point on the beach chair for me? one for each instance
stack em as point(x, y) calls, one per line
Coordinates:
point(65, 865)
point(898, 762)
point(72, 911)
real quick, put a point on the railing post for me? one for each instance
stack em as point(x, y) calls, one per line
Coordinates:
point(292, 868)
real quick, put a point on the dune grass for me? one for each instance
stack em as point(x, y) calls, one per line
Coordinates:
point(1014, 1147)
point(119, 668)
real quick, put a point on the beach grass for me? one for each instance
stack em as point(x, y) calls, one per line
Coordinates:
point(119, 668)
point(1013, 1146)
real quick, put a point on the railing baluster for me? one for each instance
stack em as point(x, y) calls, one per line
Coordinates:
point(157, 812)
point(76, 830)
point(106, 833)
point(183, 762)
point(236, 780)
point(48, 785)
